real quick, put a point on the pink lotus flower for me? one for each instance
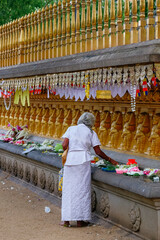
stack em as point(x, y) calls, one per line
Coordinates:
point(19, 128)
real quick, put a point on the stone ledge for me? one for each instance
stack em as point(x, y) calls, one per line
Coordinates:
point(131, 184)
point(137, 53)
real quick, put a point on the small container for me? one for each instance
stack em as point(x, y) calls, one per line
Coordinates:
point(156, 179)
point(47, 210)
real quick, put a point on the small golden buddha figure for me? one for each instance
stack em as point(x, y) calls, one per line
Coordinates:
point(116, 130)
point(34, 112)
point(142, 132)
point(21, 116)
point(105, 125)
point(128, 131)
point(38, 120)
point(11, 118)
point(58, 123)
point(51, 121)
point(154, 139)
point(1, 109)
point(45, 119)
point(3, 116)
point(76, 113)
point(16, 116)
point(67, 120)
point(7, 115)
point(27, 116)
point(97, 120)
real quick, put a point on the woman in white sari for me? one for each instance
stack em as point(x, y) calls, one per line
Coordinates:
point(76, 193)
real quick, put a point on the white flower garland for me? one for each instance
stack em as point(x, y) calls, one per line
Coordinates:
point(5, 104)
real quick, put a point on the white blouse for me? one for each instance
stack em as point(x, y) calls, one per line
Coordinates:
point(81, 140)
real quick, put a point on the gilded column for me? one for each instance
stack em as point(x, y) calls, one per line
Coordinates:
point(63, 44)
point(29, 38)
point(32, 37)
point(94, 33)
point(35, 36)
point(2, 51)
point(112, 36)
point(150, 21)
point(157, 20)
point(126, 26)
point(59, 30)
point(7, 45)
point(10, 49)
point(142, 23)
point(43, 34)
point(16, 42)
point(13, 43)
point(39, 35)
point(88, 25)
point(100, 40)
point(78, 27)
point(50, 31)
point(21, 41)
point(106, 30)
point(134, 23)
point(25, 39)
point(55, 30)
point(119, 27)
point(46, 32)
point(68, 29)
point(83, 39)
point(73, 28)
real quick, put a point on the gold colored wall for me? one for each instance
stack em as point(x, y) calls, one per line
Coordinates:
point(117, 127)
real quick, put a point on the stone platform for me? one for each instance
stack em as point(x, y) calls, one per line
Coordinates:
point(129, 201)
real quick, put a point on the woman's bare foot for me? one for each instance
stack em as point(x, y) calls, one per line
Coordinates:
point(65, 224)
point(82, 224)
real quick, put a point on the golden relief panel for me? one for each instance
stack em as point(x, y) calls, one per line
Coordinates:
point(116, 125)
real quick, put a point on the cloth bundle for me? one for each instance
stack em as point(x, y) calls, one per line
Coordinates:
point(60, 184)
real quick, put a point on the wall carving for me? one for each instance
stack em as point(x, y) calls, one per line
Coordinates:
point(50, 183)
point(42, 179)
point(9, 167)
point(15, 168)
point(104, 205)
point(135, 218)
point(27, 174)
point(20, 171)
point(3, 163)
point(35, 176)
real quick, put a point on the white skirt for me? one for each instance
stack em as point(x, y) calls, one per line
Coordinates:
point(76, 193)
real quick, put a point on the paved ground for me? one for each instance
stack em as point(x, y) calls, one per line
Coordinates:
point(23, 216)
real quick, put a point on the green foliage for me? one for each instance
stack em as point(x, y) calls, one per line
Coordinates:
point(11, 10)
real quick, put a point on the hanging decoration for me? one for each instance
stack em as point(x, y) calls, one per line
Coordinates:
point(5, 104)
point(83, 84)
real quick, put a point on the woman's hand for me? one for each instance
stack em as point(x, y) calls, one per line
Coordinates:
point(113, 162)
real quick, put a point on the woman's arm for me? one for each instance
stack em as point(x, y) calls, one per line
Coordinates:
point(65, 143)
point(100, 153)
